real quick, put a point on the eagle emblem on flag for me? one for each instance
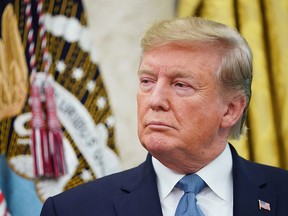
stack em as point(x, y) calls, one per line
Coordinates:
point(79, 99)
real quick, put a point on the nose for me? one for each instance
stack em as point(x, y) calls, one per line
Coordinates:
point(159, 98)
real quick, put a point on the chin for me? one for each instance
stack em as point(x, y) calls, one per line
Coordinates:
point(157, 147)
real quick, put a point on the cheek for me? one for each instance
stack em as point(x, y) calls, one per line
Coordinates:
point(140, 106)
point(141, 110)
point(196, 121)
point(187, 114)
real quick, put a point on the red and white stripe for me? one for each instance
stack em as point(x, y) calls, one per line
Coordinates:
point(31, 44)
point(46, 145)
point(3, 205)
point(46, 56)
point(54, 132)
point(39, 144)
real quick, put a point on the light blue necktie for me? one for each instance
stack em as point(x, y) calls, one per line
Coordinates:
point(191, 184)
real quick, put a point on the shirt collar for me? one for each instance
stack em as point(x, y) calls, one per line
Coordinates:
point(217, 175)
point(166, 178)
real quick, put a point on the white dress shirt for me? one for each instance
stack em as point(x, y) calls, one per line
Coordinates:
point(214, 200)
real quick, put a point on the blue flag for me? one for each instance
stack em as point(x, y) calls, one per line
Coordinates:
point(54, 41)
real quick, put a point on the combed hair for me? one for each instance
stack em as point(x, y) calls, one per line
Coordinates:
point(234, 75)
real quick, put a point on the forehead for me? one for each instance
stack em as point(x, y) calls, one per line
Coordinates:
point(175, 59)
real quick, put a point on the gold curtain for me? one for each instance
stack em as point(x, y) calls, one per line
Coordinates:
point(264, 23)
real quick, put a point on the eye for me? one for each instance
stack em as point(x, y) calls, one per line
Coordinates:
point(183, 88)
point(144, 80)
point(146, 83)
point(182, 85)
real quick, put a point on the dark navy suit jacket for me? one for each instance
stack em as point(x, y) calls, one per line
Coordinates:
point(134, 193)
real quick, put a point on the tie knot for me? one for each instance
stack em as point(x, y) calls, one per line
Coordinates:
point(191, 183)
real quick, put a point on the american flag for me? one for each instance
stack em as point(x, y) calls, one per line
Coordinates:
point(264, 205)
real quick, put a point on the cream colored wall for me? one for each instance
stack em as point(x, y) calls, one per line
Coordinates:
point(116, 26)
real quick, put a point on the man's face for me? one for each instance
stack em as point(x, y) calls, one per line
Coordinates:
point(179, 107)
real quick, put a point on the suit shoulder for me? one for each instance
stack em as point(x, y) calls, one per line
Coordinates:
point(258, 170)
point(97, 195)
point(103, 185)
point(271, 172)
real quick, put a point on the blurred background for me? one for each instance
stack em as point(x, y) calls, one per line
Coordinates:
point(89, 51)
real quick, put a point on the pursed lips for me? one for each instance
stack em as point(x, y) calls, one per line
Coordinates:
point(158, 125)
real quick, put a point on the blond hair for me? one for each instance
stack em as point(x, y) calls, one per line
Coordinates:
point(234, 75)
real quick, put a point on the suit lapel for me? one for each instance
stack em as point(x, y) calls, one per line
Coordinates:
point(249, 187)
point(140, 195)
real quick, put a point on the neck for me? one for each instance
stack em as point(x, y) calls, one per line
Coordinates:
point(190, 163)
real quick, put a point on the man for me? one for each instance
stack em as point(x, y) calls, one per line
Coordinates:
point(195, 86)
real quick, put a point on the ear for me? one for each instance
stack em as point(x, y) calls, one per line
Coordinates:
point(235, 109)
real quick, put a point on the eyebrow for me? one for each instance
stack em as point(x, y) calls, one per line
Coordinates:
point(172, 74)
point(141, 71)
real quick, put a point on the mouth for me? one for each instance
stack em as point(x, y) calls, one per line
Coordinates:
point(157, 125)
